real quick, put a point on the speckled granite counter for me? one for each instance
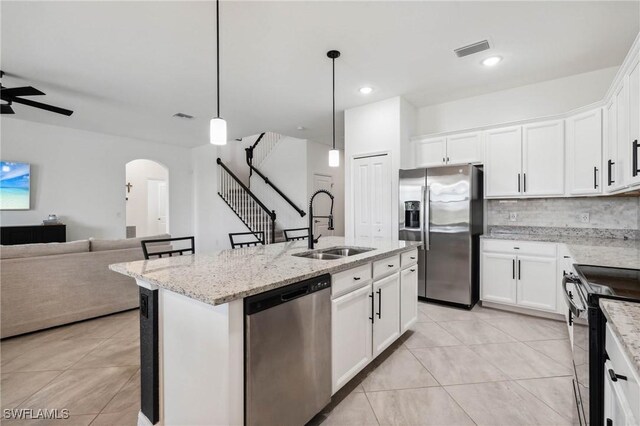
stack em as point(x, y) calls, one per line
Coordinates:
point(624, 319)
point(227, 275)
point(587, 251)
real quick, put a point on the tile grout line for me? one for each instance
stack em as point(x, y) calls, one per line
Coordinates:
point(372, 409)
point(536, 397)
point(116, 393)
point(39, 389)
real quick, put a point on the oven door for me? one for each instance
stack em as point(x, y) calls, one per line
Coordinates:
point(577, 323)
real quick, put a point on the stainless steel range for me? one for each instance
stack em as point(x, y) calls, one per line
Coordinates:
point(587, 330)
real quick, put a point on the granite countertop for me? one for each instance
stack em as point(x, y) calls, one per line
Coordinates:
point(223, 276)
point(624, 319)
point(611, 252)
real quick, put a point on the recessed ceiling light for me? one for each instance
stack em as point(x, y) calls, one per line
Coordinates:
point(366, 90)
point(491, 61)
point(301, 128)
point(183, 115)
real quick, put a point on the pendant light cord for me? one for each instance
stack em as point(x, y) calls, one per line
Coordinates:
point(334, 102)
point(218, 57)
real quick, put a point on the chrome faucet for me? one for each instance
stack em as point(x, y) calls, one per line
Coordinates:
point(312, 241)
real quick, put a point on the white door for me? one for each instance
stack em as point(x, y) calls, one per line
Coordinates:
point(584, 153)
point(408, 297)
point(431, 152)
point(499, 278)
point(537, 281)
point(464, 148)
point(623, 165)
point(634, 122)
point(350, 335)
point(322, 204)
point(157, 207)
point(372, 198)
point(503, 162)
point(386, 318)
point(611, 180)
point(543, 158)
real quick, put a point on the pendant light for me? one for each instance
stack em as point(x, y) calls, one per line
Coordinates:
point(334, 154)
point(218, 126)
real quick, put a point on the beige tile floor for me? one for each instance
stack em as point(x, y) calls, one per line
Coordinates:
point(454, 367)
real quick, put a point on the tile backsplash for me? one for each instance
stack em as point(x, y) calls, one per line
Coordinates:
point(615, 217)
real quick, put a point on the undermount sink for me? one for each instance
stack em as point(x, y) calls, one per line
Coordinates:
point(333, 253)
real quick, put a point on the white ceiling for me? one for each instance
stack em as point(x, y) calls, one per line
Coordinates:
point(127, 67)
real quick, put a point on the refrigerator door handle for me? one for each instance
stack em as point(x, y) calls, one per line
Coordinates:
point(425, 216)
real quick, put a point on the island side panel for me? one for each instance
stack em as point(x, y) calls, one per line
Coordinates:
point(202, 361)
point(149, 355)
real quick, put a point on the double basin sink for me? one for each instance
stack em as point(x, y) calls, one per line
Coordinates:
point(333, 253)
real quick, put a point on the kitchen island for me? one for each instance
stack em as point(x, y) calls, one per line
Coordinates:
point(193, 318)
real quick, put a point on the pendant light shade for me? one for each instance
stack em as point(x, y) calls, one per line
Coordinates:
point(334, 158)
point(218, 131)
point(218, 126)
point(334, 154)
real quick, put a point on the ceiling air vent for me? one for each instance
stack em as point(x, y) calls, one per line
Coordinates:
point(472, 48)
point(183, 115)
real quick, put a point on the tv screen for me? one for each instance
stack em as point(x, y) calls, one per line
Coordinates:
point(15, 186)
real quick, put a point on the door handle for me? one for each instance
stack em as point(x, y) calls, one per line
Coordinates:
point(356, 278)
point(609, 172)
point(412, 270)
point(379, 302)
point(595, 177)
point(518, 182)
point(634, 168)
point(513, 269)
point(519, 269)
point(524, 182)
point(614, 377)
point(373, 310)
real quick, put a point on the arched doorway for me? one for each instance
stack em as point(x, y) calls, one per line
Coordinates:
point(147, 198)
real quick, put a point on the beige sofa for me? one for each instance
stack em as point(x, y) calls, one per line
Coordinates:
point(45, 285)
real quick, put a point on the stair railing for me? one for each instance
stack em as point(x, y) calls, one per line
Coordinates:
point(251, 211)
point(250, 153)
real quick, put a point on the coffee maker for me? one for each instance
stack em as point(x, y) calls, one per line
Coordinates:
point(412, 214)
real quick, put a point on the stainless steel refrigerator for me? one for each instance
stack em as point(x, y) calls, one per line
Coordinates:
point(442, 207)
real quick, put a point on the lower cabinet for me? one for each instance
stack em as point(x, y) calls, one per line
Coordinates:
point(520, 273)
point(621, 384)
point(370, 316)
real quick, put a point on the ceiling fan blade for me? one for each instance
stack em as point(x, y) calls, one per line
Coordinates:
point(6, 109)
point(21, 91)
point(40, 105)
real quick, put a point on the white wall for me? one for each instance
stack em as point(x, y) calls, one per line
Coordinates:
point(318, 163)
point(80, 176)
point(138, 172)
point(521, 103)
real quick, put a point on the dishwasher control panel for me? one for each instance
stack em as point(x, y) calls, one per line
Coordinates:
point(320, 286)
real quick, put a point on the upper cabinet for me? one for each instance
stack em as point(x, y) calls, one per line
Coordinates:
point(503, 162)
point(462, 148)
point(634, 122)
point(584, 153)
point(543, 158)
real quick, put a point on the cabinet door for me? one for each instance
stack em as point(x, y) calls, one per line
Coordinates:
point(634, 123)
point(371, 195)
point(408, 297)
point(543, 158)
point(537, 282)
point(623, 164)
point(431, 152)
point(386, 322)
point(499, 278)
point(464, 148)
point(503, 162)
point(350, 335)
point(584, 153)
point(611, 180)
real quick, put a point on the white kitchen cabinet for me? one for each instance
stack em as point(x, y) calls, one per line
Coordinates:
point(351, 334)
point(408, 297)
point(431, 152)
point(499, 278)
point(386, 319)
point(371, 177)
point(623, 162)
point(617, 411)
point(612, 180)
point(464, 148)
point(537, 282)
point(503, 162)
point(584, 153)
point(543, 158)
point(634, 122)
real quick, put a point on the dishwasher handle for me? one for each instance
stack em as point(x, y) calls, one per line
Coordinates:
point(294, 294)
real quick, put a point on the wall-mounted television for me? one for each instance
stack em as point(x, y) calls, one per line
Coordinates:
point(15, 186)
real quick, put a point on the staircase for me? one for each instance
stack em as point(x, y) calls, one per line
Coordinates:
point(263, 146)
point(249, 209)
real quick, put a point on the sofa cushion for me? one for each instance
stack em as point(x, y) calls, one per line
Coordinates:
point(102, 245)
point(46, 249)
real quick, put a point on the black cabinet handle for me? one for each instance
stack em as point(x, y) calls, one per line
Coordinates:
point(595, 177)
point(609, 167)
point(518, 182)
point(524, 182)
point(513, 269)
point(373, 310)
point(356, 278)
point(447, 159)
point(634, 168)
point(444, 160)
point(519, 269)
point(609, 422)
point(390, 266)
point(615, 377)
point(412, 270)
point(412, 258)
point(379, 302)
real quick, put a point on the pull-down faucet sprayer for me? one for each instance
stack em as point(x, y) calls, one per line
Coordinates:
point(312, 241)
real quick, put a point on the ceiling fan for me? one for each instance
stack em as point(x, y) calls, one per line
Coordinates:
point(15, 94)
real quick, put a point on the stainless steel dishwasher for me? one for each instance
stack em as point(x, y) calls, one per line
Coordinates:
point(288, 353)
